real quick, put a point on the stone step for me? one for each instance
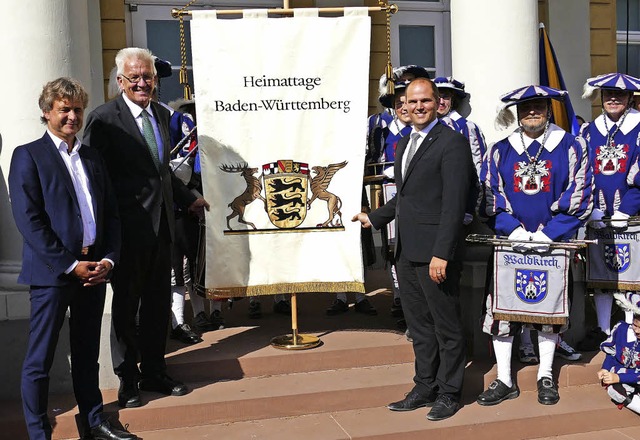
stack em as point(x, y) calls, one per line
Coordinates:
point(584, 412)
point(238, 352)
point(295, 394)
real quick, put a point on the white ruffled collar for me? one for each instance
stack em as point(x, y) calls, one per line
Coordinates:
point(554, 137)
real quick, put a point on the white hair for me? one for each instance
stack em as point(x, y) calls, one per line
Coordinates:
point(138, 53)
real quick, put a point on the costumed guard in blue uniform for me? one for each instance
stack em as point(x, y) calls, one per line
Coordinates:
point(537, 187)
point(614, 150)
point(620, 372)
point(453, 99)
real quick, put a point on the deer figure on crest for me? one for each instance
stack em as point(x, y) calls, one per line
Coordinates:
point(252, 192)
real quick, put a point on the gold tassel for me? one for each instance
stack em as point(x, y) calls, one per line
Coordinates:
point(390, 80)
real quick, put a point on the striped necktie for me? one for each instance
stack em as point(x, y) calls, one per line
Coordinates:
point(150, 137)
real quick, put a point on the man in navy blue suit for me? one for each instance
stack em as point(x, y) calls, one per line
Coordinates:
point(64, 208)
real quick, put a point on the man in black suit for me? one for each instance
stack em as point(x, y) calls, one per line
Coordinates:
point(64, 208)
point(132, 133)
point(433, 173)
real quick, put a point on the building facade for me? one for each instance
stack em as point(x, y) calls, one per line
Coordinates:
point(492, 45)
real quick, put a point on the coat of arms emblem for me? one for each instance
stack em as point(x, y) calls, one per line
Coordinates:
point(617, 257)
point(285, 185)
point(531, 178)
point(611, 159)
point(289, 191)
point(531, 285)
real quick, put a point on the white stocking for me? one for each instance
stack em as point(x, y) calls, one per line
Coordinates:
point(603, 301)
point(177, 305)
point(502, 346)
point(547, 347)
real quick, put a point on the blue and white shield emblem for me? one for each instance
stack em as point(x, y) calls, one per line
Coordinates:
point(617, 256)
point(531, 285)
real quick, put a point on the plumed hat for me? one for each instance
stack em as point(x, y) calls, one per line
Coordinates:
point(522, 94)
point(629, 301)
point(163, 67)
point(385, 98)
point(450, 83)
point(611, 81)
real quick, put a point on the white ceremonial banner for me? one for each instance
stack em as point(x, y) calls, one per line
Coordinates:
point(280, 108)
point(614, 263)
point(531, 287)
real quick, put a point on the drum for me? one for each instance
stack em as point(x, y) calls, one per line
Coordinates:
point(531, 287)
point(613, 263)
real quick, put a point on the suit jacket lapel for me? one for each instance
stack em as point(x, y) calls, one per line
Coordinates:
point(90, 171)
point(397, 166)
point(164, 132)
point(57, 161)
point(129, 123)
point(424, 146)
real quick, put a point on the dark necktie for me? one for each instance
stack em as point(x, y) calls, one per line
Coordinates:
point(415, 137)
point(150, 137)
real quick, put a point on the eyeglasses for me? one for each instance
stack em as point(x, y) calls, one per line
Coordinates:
point(148, 79)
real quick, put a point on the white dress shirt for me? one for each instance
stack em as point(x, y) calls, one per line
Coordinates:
point(423, 134)
point(82, 189)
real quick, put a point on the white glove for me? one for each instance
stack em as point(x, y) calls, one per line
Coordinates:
point(540, 236)
point(523, 238)
point(389, 172)
point(617, 215)
point(595, 219)
point(468, 218)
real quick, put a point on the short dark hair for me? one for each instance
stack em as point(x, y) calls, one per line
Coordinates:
point(61, 88)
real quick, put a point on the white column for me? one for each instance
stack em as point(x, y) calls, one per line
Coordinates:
point(41, 40)
point(571, 17)
point(494, 45)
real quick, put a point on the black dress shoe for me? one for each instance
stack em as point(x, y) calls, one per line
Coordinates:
point(105, 431)
point(183, 333)
point(282, 307)
point(445, 407)
point(337, 307)
point(497, 392)
point(365, 307)
point(161, 383)
point(548, 391)
point(128, 394)
point(413, 400)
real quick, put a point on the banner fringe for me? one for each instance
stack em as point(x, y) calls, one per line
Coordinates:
point(513, 317)
point(274, 289)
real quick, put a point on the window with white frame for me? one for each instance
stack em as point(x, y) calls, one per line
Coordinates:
point(628, 36)
point(421, 34)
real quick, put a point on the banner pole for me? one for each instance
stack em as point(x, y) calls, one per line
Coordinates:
point(295, 341)
point(176, 13)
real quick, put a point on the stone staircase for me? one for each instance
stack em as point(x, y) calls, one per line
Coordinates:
point(242, 388)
